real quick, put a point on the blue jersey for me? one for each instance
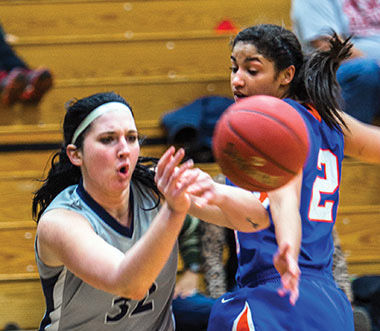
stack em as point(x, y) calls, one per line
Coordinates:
point(256, 305)
point(318, 208)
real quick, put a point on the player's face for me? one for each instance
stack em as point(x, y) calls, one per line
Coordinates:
point(110, 151)
point(253, 74)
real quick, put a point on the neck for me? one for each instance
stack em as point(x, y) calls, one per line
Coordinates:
point(117, 204)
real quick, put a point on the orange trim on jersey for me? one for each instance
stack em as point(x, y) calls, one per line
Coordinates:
point(313, 111)
point(243, 324)
point(263, 196)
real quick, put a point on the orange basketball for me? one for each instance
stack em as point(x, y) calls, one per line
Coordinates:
point(260, 143)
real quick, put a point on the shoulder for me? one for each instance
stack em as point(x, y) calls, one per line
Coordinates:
point(64, 199)
point(55, 229)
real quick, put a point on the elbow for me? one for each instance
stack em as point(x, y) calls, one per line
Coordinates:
point(133, 292)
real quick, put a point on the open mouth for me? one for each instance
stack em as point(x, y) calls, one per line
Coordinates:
point(123, 170)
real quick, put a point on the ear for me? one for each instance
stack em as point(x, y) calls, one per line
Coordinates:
point(74, 155)
point(287, 75)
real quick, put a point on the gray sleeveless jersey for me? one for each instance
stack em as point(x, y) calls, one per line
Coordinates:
point(72, 304)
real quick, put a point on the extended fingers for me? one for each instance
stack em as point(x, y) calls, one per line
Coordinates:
point(166, 167)
point(163, 161)
point(179, 182)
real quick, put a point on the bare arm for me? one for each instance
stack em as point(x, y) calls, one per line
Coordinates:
point(285, 204)
point(229, 206)
point(241, 210)
point(66, 238)
point(361, 141)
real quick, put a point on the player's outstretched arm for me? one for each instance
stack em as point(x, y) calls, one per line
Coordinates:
point(285, 203)
point(361, 141)
point(227, 206)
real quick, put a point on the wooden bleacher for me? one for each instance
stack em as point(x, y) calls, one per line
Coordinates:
point(20, 292)
point(160, 55)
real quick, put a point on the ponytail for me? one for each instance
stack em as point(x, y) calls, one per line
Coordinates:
point(320, 83)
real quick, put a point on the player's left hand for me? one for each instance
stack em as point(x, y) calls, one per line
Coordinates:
point(171, 183)
point(290, 273)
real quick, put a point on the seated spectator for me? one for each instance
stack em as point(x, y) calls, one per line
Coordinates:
point(18, 82)
point(359, 76)
point(191, 308)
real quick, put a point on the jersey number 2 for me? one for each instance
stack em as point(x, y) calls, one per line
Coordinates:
point(327, 185)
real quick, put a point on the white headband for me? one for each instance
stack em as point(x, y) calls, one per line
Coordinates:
point(98, 111)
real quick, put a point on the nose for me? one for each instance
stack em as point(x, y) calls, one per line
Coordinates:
point(237, 79)
point(123, 148)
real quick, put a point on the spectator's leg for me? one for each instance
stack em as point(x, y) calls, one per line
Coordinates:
point(213, 241)
point(8, 58)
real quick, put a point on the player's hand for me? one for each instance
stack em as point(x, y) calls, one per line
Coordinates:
point(204, 190)
point(290, 273)
point(187, 285)
point(171, 183)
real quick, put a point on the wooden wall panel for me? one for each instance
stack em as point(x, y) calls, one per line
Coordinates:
point(359, 233)
point(109, 17)
point(22, 302)
point(16, 197)
point(361, 183)
point(149, 99)
point(17, 256)
point(358, 222)
point(118, 57)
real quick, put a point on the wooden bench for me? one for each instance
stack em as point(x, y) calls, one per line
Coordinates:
point(21, 297)
point(26, 18)
point(160, 55)
point(358, 222)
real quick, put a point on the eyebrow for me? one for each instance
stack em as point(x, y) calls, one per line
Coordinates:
point(248, 59)
point(114, 131)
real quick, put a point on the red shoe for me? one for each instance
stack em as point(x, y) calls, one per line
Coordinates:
point(39, 82)
point(12, 86)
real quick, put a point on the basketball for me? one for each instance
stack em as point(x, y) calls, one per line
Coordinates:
point(260, 143)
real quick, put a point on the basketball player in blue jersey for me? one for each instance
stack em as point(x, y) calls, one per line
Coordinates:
point(284, 240)
point(105, 246)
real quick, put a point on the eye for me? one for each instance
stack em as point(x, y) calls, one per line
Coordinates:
point(234, 69)
point(132, 138)
point(252, 72)
point(107, 139)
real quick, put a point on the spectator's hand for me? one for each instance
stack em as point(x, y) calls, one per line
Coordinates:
point(290, 273)
point(187, 285)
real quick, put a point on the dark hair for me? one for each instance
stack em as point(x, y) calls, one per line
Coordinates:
point(63, 173)
point(315, 75)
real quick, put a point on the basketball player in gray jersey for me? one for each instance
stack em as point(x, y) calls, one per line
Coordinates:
point(105, 246)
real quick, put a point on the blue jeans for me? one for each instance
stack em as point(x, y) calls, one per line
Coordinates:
point(360, 82)
point(192, 313)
